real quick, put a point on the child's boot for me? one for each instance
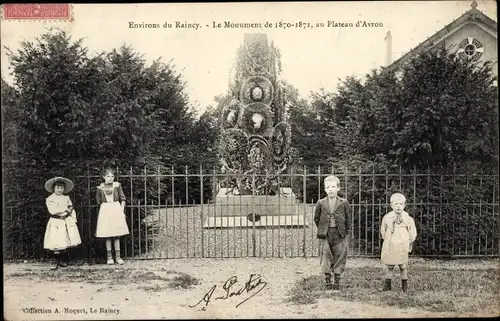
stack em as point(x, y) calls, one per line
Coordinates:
point(328, 279)
point(67, 258)
point(404, 285)
point(387, 285)
point(110, 258)
point(57, 261)
point(118, 257)
point(64, 259)
point(336, 282)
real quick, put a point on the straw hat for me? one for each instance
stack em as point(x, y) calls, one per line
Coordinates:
point(49, 185)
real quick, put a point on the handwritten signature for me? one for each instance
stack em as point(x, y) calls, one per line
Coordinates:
point(253, 283)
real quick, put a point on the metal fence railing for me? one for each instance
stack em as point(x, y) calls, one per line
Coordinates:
point(167, 214)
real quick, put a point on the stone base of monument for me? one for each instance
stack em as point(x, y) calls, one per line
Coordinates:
point(256, 211)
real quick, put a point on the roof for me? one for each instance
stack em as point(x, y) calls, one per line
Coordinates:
point(472, 15)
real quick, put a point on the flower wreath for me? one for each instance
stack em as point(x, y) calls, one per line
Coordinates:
point(254, 85)
point(264, 115)
point(232, 145)
point(281, 140)
point(254, 139)
point(234, 107)
point(258, 145)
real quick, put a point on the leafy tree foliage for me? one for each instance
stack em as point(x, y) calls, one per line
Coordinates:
point(10, 120)
point(448, 112)
point(74, 114)
point(108, 110)
point(439, 111)
point(306, 138)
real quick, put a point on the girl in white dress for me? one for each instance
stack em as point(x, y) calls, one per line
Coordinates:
point(111, 222)
point(398, 232)
point(61, 232)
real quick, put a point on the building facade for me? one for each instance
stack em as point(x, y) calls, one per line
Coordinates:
point(473, 35)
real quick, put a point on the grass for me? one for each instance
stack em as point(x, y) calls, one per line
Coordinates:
point(430, 289)
point(167, 279)
point(180, 281)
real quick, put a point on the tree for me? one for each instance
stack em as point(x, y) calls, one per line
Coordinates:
point(111, 109)
point(448, 112)
point(77, 114)
point(347, 108)
point(375, 118)
point(10, 130)
point(307, 130)
point(440, 111)
point(325, 111)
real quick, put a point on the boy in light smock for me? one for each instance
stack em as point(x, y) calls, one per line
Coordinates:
point(398, 232)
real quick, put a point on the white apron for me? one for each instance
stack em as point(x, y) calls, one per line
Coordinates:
point(397, 238)
point(111, 221)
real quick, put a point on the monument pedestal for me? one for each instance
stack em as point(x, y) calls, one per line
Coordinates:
point(256, 211)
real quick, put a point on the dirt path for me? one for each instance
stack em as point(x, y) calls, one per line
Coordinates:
point(129, 301)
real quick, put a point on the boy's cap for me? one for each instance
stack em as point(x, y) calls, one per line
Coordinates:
point(68, 184)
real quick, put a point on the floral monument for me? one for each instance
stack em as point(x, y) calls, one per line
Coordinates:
point(254, 146)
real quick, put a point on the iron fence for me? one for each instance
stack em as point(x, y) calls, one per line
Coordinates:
point(169, 213)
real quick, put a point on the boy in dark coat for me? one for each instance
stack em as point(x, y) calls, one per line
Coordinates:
point(332, 216)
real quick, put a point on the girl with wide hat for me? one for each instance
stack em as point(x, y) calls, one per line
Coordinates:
point(61, 232)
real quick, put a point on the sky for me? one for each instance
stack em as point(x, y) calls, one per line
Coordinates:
point(312, 58)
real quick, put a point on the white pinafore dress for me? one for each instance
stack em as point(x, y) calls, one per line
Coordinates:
point(60, 234)
point(397, 235)
point(111, 221)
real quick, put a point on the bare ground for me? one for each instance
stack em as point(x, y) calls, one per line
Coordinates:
point(26, 286)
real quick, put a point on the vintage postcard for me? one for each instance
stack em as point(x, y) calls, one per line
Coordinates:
point(250, 160)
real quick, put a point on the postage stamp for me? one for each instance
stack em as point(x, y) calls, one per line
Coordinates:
point(25, 11)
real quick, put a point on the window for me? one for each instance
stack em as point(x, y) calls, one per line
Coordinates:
point(470, 48)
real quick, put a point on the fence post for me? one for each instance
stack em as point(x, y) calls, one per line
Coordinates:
point(415, 196)
point(304, 201)
point(9, 241)
point(440, 211)
point(145, 209)
point(172, 185)
point(24, 235)
point(359, 209)
point(400, 179)
point(480, 213)
point(186, 213)
point(433, 212)
point(159, 207)
point(201, 213)
point(253, 215)
point(132, 243)
point(214, 198)
point(279, 210)
point(346, 195)
point(498, 218)
point(415, 190)
point(373, 210)
point(89, 218)
point(319, 197)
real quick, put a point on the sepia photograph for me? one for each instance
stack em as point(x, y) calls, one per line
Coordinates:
point(250, 160)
